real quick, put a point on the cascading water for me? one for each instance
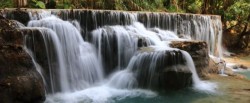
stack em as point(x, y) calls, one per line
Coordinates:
point(114, 42)
point(198, 27)
point(79, 67)
point(158, 40)
point(111, 64)
point(52, 45)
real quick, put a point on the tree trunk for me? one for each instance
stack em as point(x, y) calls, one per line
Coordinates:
point(20, 3)
point(206, 4)
point(243, 36)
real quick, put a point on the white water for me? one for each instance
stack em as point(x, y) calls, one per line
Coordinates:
point(48, 36)
point(222, 65)
point(197, 27)
point(79, 67)
point(80, 63)
point(100, 94)
point(199, 85)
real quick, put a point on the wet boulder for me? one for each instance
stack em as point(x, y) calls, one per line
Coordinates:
point(240, 66)
point(198, 51)
point(19, 15)
point(9, 24)
point(161, 70)
point(1, 17)
point(142, 42)
point(19, 80)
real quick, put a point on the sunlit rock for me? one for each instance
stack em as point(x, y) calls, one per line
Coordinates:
point(198, 51)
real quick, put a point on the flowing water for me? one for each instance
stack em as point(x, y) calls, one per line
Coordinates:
point(246, 73)
point(246, 62)
point(77, 60)
point(105, 67)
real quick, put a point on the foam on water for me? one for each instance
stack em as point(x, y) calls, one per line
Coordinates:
point(201, 86)
point(100, 94)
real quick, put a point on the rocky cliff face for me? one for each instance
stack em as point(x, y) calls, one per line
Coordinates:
point(19, 80)
point(198, 51)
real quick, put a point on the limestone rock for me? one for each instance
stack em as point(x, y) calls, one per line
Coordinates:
point(162, 70)
point(240, 66)
point(19, 15)
point(198, 51)
point(19, 80)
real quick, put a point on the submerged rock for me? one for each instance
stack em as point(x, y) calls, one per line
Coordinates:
point(198, 51)
point(142, 42)
point(19, 80)
point(240, 66)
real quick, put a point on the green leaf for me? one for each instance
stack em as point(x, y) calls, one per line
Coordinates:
point(40, 4)
point(66, 6)
point(34, 1)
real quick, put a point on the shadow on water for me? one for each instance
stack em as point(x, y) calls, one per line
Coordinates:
point(180, 96)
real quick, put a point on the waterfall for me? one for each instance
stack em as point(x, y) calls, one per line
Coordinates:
point(104, 56)
point(55, 60)
point(79, 67)
point(193, 26)
point(198, 84)
point(114, 42)
point(143, 63)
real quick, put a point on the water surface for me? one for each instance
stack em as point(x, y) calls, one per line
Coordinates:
point(181, 96)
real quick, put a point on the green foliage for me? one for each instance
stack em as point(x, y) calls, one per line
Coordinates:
point(38, 4)
point(238, 11)
point(6, 3)
point(194, 7)
point(150, 5)
point(172, 8)
point(65, 5)
point(120, 5)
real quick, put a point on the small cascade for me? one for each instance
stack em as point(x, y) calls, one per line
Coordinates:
point(150, 69)
point(115, 42)
point(222, 66)
point(121, 42)
point(199, 85)
point(142, 67)
point(79, 67)
point(53, 57)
